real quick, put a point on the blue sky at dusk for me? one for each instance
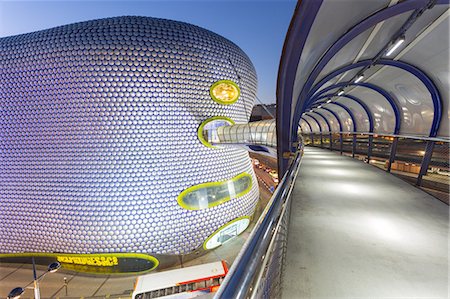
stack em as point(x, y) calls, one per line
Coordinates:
point(258, 27)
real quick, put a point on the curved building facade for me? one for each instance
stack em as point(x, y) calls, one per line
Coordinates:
point(99, 137)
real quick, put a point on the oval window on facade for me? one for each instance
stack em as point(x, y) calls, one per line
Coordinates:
point(95, 263)
point(225, 92)
point(207, 131)
point(227, 232)
point(208, 195)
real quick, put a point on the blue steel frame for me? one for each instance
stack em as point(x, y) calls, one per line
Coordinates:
point(295, 42)
point(369, 115)
point(305, 14)
point(432, 89)
point(311, 133)
point(340, 127)
point(324, 118)
point(329, 127)
point(238, 281)
point(335, 115)
point(354, 125)
point(376, 88)
point(357, 100)
point(320, 127)
point(349, 113)
point(309, 125)
point(315, 119)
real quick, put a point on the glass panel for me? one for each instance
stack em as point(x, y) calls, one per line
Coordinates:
point(209, 130)
point(208, 195)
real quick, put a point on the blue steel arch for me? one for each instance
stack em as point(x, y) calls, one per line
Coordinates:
point(295, 41)
point(298, 32)
point(324, 118)
point(353, 32)
point(336, 116)
point(432, 89)
point(357, 100)
point(376, 88)
point(349, 113)
point(309, 125)
point(315, 119)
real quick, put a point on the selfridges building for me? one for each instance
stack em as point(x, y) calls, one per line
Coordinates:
point(103, 148)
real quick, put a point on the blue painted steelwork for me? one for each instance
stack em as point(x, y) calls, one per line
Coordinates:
point(309, 125)
point(432, 89)
point(340, 127)
point(305, 14)
point(349, 113)
point(324, 118)
point(336, 116)
point(353, 32)
point(376, 88)
point(361, 103)
point(315, 119)
point(329, 127)
point(425, 162)
point(320, 128)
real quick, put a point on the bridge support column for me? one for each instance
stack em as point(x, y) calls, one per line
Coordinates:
point(425, 162)
point(392, 154)
point(354, 145)
point(369, 148)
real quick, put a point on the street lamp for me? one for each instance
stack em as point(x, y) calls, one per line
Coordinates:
point(17, 292)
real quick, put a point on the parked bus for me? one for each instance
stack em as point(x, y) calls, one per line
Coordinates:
point(186, 282)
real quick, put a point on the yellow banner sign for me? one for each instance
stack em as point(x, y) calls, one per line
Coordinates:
point(101, 261)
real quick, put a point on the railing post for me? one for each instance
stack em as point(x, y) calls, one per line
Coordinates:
point(425, 161)
point(392, 154)
point(341, 142)
point(321, 140)
point(354, 145)
point(369, 148)
point(331, 141)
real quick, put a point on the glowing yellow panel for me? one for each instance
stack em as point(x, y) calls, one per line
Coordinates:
point(225, 92)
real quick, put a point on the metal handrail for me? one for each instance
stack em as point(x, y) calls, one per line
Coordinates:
point(439, 139)
point(240, 281)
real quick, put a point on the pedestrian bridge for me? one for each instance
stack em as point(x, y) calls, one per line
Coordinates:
point(359, 232)
point(366, 79)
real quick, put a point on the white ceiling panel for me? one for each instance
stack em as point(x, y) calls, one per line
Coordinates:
point(332, 120)
point(412, 95)
point(304, 126)
point(346, 13)
point(314, 125)
point(346, 120)
point(382, 112)
point(360, 115)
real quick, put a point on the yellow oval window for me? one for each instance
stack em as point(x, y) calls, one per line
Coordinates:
point(207, 131)
point(208, 195)
point(225, 92)
point(227, 232)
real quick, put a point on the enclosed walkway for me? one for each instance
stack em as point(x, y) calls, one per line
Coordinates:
point(358, 232)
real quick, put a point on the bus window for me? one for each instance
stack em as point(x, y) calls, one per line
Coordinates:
point(183, 283)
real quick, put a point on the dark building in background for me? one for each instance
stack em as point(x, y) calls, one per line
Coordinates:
point(259, 112)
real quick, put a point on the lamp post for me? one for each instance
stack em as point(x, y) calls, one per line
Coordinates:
point(17, 292)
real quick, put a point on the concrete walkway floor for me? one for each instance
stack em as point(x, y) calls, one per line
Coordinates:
point(358, 232)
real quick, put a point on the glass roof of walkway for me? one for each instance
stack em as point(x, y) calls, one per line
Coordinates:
point(377, 67)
